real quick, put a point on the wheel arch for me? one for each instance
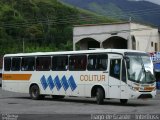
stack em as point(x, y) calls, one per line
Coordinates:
point(94, 89)
point(32, 85)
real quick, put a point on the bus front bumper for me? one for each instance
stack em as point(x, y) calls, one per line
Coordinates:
point(142, 95)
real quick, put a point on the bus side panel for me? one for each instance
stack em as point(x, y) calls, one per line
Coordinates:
point(58, 83)
point(69, 83)
point(10, 85)
point(40, 78)
point(75, 85)
point(15, 86)
point(16, 82)
point(94, 78)
point(124, 91)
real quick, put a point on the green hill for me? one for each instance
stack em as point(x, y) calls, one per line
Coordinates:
point(40, 25)
point(141, 11)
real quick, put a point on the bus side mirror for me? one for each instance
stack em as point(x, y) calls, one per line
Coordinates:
point(127, 62)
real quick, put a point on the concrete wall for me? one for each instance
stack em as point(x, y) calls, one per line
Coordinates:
point(146, 37)
point(99, 33)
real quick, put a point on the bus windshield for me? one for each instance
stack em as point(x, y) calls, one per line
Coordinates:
point(140, 68)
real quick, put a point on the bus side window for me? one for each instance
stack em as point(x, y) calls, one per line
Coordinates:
point(77, 62)
point(43, 63)
point(16, 64)
point(28, 64)
point(91, 62)
point(7, 63)
point(59, 63)
point(97, 62)
point(102, 61)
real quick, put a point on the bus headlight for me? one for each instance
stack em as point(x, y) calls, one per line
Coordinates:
point(134, 88)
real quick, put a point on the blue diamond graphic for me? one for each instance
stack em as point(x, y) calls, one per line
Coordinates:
point(72, 83)
point(65, 83)
point(57, 83)
point(43, 82)
point(50, 83)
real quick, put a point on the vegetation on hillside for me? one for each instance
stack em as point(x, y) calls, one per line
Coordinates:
point(40, 25)
point(139, 10)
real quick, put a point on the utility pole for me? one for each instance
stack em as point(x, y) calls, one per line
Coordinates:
point(130, 19)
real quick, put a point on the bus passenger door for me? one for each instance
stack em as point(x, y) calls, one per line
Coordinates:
point(114, 77)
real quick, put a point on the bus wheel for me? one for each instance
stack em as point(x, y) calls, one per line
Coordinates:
point(123, 101)
point(99, 96)
point(35, 93)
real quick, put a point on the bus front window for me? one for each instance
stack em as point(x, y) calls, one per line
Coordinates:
point(140, 68)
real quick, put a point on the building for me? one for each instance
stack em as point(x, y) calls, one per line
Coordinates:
point(125, 35)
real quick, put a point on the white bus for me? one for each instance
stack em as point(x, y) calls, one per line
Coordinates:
point(102, 73)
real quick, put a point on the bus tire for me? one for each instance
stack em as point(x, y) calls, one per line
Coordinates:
point(99, 96)
point(35, 93)
point(123, 101)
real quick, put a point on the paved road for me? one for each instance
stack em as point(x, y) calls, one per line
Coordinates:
point(68, 108)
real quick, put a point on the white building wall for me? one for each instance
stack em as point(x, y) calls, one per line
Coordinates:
point(143, 34)
point(99, 33)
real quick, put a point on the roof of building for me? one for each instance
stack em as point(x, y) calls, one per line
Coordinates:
point(114, 23)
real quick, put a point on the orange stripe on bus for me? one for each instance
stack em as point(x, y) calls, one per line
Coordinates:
point(16, 77)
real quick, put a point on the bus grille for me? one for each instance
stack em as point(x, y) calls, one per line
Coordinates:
point(142, 96)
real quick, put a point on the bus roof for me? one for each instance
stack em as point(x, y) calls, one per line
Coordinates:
point(120, 51)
